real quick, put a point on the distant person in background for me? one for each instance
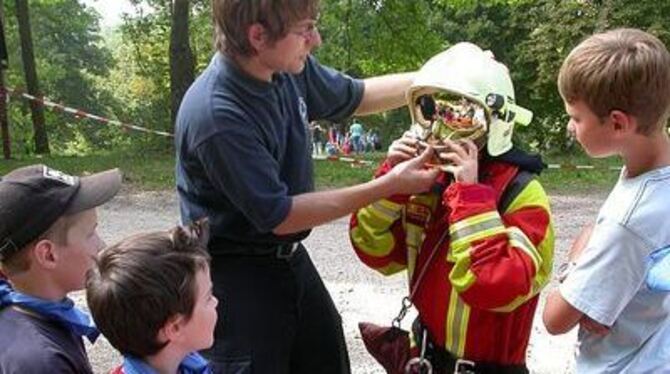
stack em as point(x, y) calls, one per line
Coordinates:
point(376, 140)
point(317, 138)
point(339, 134)
point(356, 133)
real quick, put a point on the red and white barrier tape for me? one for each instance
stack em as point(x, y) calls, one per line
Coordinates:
point(549, 166)
point(583, 167)
point(79, 114)
point(351, 160)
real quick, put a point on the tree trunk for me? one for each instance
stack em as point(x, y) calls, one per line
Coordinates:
point(28, 57)
point(4, 123)
point(182, 62)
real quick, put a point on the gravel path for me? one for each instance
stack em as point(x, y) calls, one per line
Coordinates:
point(359, 293)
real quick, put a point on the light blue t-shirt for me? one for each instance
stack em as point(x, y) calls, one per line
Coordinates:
point(356, 130)
point(608, 283)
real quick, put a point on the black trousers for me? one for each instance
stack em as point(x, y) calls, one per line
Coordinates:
point(444, 362)
point(275, 316)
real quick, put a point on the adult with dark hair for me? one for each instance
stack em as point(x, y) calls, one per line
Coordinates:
point(243, 161)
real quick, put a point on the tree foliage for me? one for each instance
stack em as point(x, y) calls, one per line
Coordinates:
point(70, 58)
point(32, 82)
point(126, 74)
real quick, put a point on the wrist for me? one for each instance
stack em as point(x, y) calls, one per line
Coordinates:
point(383, 169)
point(387, 184)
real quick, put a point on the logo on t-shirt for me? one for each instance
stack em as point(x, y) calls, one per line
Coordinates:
point(302, 107)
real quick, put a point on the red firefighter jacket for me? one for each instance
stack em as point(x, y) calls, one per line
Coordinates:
point(479, 293)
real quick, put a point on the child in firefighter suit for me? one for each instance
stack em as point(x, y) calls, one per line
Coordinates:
point(488, 221)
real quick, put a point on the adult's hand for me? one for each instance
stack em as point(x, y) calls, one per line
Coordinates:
point(412, 176)
point(402, 149)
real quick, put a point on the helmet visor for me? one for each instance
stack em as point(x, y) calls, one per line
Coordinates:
point(447, 116)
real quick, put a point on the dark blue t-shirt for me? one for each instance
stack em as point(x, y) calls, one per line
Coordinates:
point(32, 344)
point(243, 147)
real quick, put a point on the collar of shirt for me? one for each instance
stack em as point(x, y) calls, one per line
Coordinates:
point(63, 311)
point(192, 364)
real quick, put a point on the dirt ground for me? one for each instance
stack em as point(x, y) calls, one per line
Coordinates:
point(359, 293)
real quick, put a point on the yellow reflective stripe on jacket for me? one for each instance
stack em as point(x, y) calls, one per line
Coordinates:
point(488, 224)
point(458, 316)
point(372, 233)
point(519, 240)
point(542, 273)
point(414, 235)
point(387, 210)
point(391, 268)
point(472, 229)
point(534, 195)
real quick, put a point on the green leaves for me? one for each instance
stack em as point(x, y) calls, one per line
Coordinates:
point(126, 74)
point(532, 37)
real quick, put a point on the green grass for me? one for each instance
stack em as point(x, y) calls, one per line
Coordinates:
point(155, 170)
point(141, 171)
point(571, 180)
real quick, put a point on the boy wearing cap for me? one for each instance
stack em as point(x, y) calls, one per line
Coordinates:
point(48, 241)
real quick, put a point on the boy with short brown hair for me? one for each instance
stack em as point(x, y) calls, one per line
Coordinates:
point(616, 88)
point(232, 19)
point(48, 240)
point(151, 296)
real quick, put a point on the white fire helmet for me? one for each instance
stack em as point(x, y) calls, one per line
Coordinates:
point(464, 92)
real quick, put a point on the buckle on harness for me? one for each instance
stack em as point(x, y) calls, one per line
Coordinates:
point(464, 367)
point(285, 251)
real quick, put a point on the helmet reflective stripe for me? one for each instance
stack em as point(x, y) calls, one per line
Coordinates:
point(468, 71)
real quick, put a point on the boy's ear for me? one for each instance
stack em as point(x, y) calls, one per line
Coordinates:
point(172, 329)
point(257, 36)
point(622, 122)
point(44, 254)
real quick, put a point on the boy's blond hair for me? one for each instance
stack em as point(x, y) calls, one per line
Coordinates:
point(622, 69)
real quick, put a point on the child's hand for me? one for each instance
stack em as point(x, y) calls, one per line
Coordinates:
point(463, 160)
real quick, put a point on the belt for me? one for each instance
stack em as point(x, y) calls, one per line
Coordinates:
point(221, 247)
point(445, 362)
point(286, 251)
